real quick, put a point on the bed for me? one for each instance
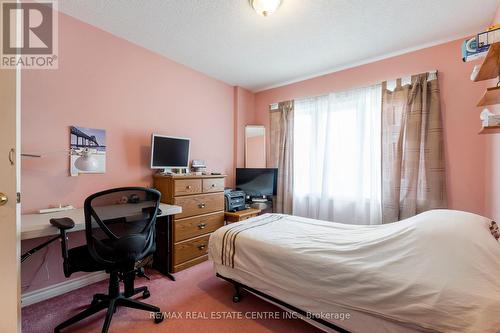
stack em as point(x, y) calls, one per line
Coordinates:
point(438, 271)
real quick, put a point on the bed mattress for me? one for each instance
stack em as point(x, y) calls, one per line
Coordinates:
point(437, 271)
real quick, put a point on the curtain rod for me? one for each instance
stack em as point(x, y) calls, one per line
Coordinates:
point(274, 106)
point(434, 71)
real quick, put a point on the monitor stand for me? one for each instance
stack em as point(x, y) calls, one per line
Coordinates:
point(174, 171)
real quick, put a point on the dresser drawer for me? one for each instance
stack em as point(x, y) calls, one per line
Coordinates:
point(196, 226)
point(187, 186)
point(213, 185)
point(199, 204)
point(190, 249)
point(189, 263)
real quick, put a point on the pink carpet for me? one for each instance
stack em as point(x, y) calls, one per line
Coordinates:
point(196, 291)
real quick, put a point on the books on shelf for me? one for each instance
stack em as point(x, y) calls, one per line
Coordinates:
point(487, 38)
point(477, 47)
point(471, 51)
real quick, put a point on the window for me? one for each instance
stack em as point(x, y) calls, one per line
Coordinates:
point(337, 156)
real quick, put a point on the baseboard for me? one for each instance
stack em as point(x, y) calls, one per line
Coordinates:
point(42, 294)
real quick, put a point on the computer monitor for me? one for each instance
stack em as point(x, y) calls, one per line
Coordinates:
point(168, 152)
point(257, 182)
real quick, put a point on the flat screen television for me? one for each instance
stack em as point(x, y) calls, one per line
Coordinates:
point(168, 152)
point(257, 182)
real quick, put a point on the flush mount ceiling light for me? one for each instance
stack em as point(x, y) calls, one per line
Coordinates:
point(265, 7)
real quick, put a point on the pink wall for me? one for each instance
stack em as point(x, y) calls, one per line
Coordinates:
point(106, 82)
point(493, 158)
point(244, 115)
point(465, 150)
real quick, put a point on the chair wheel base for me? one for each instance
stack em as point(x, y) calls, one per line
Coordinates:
point(236, 299)
point(145, 294)
point(159, 316)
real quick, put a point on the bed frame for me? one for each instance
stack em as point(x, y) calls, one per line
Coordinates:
point(237, 298)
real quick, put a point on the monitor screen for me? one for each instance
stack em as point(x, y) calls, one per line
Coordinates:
point(169, 152)
point(257, 182)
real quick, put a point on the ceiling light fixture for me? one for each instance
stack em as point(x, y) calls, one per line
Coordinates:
point(265, 7)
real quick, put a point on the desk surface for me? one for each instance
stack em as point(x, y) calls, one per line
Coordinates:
point(38, 225)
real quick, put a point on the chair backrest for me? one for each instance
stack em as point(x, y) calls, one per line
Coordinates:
point(120, 224)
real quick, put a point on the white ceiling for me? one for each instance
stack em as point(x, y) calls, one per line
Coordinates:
point(227, 40)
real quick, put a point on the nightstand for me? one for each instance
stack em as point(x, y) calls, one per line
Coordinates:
point(241, 215)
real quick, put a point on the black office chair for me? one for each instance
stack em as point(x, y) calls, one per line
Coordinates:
point(120, 230)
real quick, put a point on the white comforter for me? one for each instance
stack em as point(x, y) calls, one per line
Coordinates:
point(439, 270)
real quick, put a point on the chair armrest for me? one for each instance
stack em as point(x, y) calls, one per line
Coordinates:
point(63, 223)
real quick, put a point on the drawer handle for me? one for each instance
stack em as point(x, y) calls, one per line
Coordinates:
point(202, 225)
point(202, 247)
point(189, 187)
point(213, 185)
point(202, 205)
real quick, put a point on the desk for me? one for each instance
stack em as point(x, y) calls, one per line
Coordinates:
point(38, 225)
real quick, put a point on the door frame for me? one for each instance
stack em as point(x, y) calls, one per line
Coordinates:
point(10, 213)
point(10, 184)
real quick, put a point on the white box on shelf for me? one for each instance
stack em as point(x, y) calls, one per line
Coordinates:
point(492, 120)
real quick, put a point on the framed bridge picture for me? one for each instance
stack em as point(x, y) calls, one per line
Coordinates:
point(88, 150)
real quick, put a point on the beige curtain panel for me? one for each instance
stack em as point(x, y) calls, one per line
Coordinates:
point(281, 154)
point(413, 164)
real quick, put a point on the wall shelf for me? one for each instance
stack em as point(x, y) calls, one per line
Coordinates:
point(491, 96)
point(490, 69)
point(491, 65)
point(490, 130)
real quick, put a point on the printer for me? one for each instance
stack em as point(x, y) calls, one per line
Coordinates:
point(234, 200)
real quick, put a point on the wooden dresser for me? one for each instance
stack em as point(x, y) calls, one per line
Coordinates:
point(202, 202)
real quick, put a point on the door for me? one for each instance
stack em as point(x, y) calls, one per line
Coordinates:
point(9, 208)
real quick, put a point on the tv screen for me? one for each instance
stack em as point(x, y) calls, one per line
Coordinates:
point(257, 182)
point(169, 152)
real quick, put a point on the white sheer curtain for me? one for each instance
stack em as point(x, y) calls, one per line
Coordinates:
point(337, 161)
